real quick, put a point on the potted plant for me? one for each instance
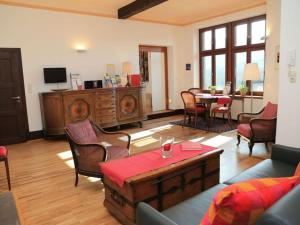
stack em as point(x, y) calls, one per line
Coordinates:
point(212, 89)
point(243, 90)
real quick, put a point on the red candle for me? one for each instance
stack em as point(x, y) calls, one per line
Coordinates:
point(167, 147)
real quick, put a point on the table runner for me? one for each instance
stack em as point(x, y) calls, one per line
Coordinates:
point(121, 169)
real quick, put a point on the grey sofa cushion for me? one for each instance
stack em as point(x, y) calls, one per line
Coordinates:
point(265, 169)
point(8, 210)
point(191, 211)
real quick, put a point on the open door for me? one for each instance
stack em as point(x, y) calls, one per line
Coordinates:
point(154, 72)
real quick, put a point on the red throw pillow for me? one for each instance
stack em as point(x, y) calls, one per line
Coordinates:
point(243, 203)
point(297, 172)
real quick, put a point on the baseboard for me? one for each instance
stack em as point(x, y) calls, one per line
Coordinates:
point(35, 135)
point(165, 114)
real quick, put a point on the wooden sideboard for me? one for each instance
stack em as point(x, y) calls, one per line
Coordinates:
point(107, 107)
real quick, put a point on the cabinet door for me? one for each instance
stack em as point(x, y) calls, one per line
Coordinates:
point(52, 114)
point(78, 107)
point(129, 104)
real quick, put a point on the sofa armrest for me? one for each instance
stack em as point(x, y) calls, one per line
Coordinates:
point(286, 154)
point(146, 215)
point(283, 212)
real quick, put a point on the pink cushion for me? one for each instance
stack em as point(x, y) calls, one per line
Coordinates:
point(270, 111)
point(244, 130)
point(224, 100)
point(199, 109)
point(221, 109)
point(116, 152)
point(3, 152)
point(82, 132)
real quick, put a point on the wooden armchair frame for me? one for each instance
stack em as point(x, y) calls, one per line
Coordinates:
point(257, 136)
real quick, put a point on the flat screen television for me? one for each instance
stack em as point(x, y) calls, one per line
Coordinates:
point(55, 75)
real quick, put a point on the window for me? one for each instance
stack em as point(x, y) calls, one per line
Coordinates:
point(225, 49)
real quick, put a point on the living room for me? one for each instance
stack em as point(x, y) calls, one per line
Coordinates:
point(86, 38)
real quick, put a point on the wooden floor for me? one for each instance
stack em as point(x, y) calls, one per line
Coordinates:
point(43, 178)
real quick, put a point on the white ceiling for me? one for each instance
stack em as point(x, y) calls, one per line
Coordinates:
point(176, 12)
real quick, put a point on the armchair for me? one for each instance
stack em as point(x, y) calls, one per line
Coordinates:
point(90, 145)
point(258, 127)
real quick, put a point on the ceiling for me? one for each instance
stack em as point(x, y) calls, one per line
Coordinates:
point(175, 12)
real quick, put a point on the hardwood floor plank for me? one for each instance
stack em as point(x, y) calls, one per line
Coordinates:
point(42, 173)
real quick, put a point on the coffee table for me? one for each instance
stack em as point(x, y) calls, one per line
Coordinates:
point(164, 187)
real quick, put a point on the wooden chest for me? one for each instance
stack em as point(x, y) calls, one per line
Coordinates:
point(162, 188)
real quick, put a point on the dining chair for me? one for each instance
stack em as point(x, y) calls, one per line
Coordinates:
point(197, 91)
point(190, 106)
point(4, 158)
point(224, 107)
point(90, 145)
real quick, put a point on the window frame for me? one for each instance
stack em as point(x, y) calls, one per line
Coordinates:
point(230, 51)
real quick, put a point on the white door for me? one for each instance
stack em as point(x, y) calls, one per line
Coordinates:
point(157, 77)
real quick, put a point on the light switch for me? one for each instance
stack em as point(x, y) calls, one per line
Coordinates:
point(29, 88)
point(292, 57)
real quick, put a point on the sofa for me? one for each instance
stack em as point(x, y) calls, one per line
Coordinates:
point(283, 163)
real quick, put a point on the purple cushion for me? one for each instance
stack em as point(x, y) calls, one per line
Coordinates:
point(270, 111)
point(82, 132)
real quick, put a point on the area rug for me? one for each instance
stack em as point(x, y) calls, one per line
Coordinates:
point(217, 125)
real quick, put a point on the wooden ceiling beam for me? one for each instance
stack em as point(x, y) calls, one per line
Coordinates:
point(137, 7)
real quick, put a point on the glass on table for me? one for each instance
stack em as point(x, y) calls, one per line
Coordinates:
point(166, 143)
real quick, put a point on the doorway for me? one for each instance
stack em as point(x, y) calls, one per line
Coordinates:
point(154, 72)
point(13, 113)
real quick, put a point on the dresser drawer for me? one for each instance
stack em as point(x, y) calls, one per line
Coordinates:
point(106, 119)
point(107, 112)
point(105, 98)
point(105, 105)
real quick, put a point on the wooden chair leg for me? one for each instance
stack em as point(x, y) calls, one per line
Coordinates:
point(229, 118)
point(76, 178)
point(250, 145)
point(7, 173)
point(184, 119)
point(238, 139)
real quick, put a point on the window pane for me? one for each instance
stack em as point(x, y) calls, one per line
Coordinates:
point(259, 58)
point(240, 34)
point(206, 40)
point(220, 36)
point(240, 60)
point(258, 30)
point(206, 67)
point(220, 71)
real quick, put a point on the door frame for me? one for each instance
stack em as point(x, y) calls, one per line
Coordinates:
point(164, 50)
point(22, 89)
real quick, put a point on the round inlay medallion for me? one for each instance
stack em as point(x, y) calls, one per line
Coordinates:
point(128, 104)
point(79, 110)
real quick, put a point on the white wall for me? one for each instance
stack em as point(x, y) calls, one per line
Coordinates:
point(47, 39)
point(288, 95)
point(272, 42)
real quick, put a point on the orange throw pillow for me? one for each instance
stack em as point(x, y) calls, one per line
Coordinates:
point(243, 203)
point(297, 172)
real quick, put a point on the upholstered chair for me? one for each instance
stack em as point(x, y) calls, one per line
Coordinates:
point(258, 127)
point(223, 107)
point(90, 145)
point(4, 158)
point(190, 106)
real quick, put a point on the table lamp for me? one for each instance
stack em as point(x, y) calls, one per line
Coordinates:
point(126, 69)
point(251, 73)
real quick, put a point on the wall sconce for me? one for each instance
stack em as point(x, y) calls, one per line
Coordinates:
point(80, 48)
